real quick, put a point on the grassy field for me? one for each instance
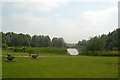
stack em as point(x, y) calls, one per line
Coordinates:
point(60, 66)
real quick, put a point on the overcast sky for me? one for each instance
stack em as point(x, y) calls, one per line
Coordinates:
point(73, 20)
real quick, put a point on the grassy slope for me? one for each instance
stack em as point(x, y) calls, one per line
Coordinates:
point(41, 50)
point(62, 67)
point(4, 54)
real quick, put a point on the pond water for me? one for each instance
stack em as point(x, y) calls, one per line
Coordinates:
point(72, 51)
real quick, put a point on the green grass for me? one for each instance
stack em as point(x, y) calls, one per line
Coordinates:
point(62, 67)
point(58, 64)
point(48, 50)
point(4, 54)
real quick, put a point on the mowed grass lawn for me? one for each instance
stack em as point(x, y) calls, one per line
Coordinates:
point(62, 67)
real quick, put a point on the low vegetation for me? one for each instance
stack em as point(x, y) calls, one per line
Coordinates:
point(38, 50)
point(62, 67)
point(100, 53)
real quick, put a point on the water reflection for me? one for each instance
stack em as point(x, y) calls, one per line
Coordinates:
point(72, 51)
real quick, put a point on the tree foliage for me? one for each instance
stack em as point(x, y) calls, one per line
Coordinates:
point(13, 39)
point(40, 41)
point(102, 43)
point(58, 42)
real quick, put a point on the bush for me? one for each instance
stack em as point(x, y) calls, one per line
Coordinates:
point(18, 50)
point(4, 46)
point(100, 53)
point(40, 50)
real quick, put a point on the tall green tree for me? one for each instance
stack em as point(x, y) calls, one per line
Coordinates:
point(58, 42)
point(113, 40)
point(61, 42)
point(54, 42)
point(47, 41)
point(34, 41)
point(40, 41)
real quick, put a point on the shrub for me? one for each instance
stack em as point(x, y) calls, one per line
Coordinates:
point(100, 53)
point(40, 50)
point(4, 46)
point(18, 50)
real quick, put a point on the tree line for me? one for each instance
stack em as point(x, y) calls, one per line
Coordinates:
point(16, 40)
point(109, 42)
point(103, 42)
